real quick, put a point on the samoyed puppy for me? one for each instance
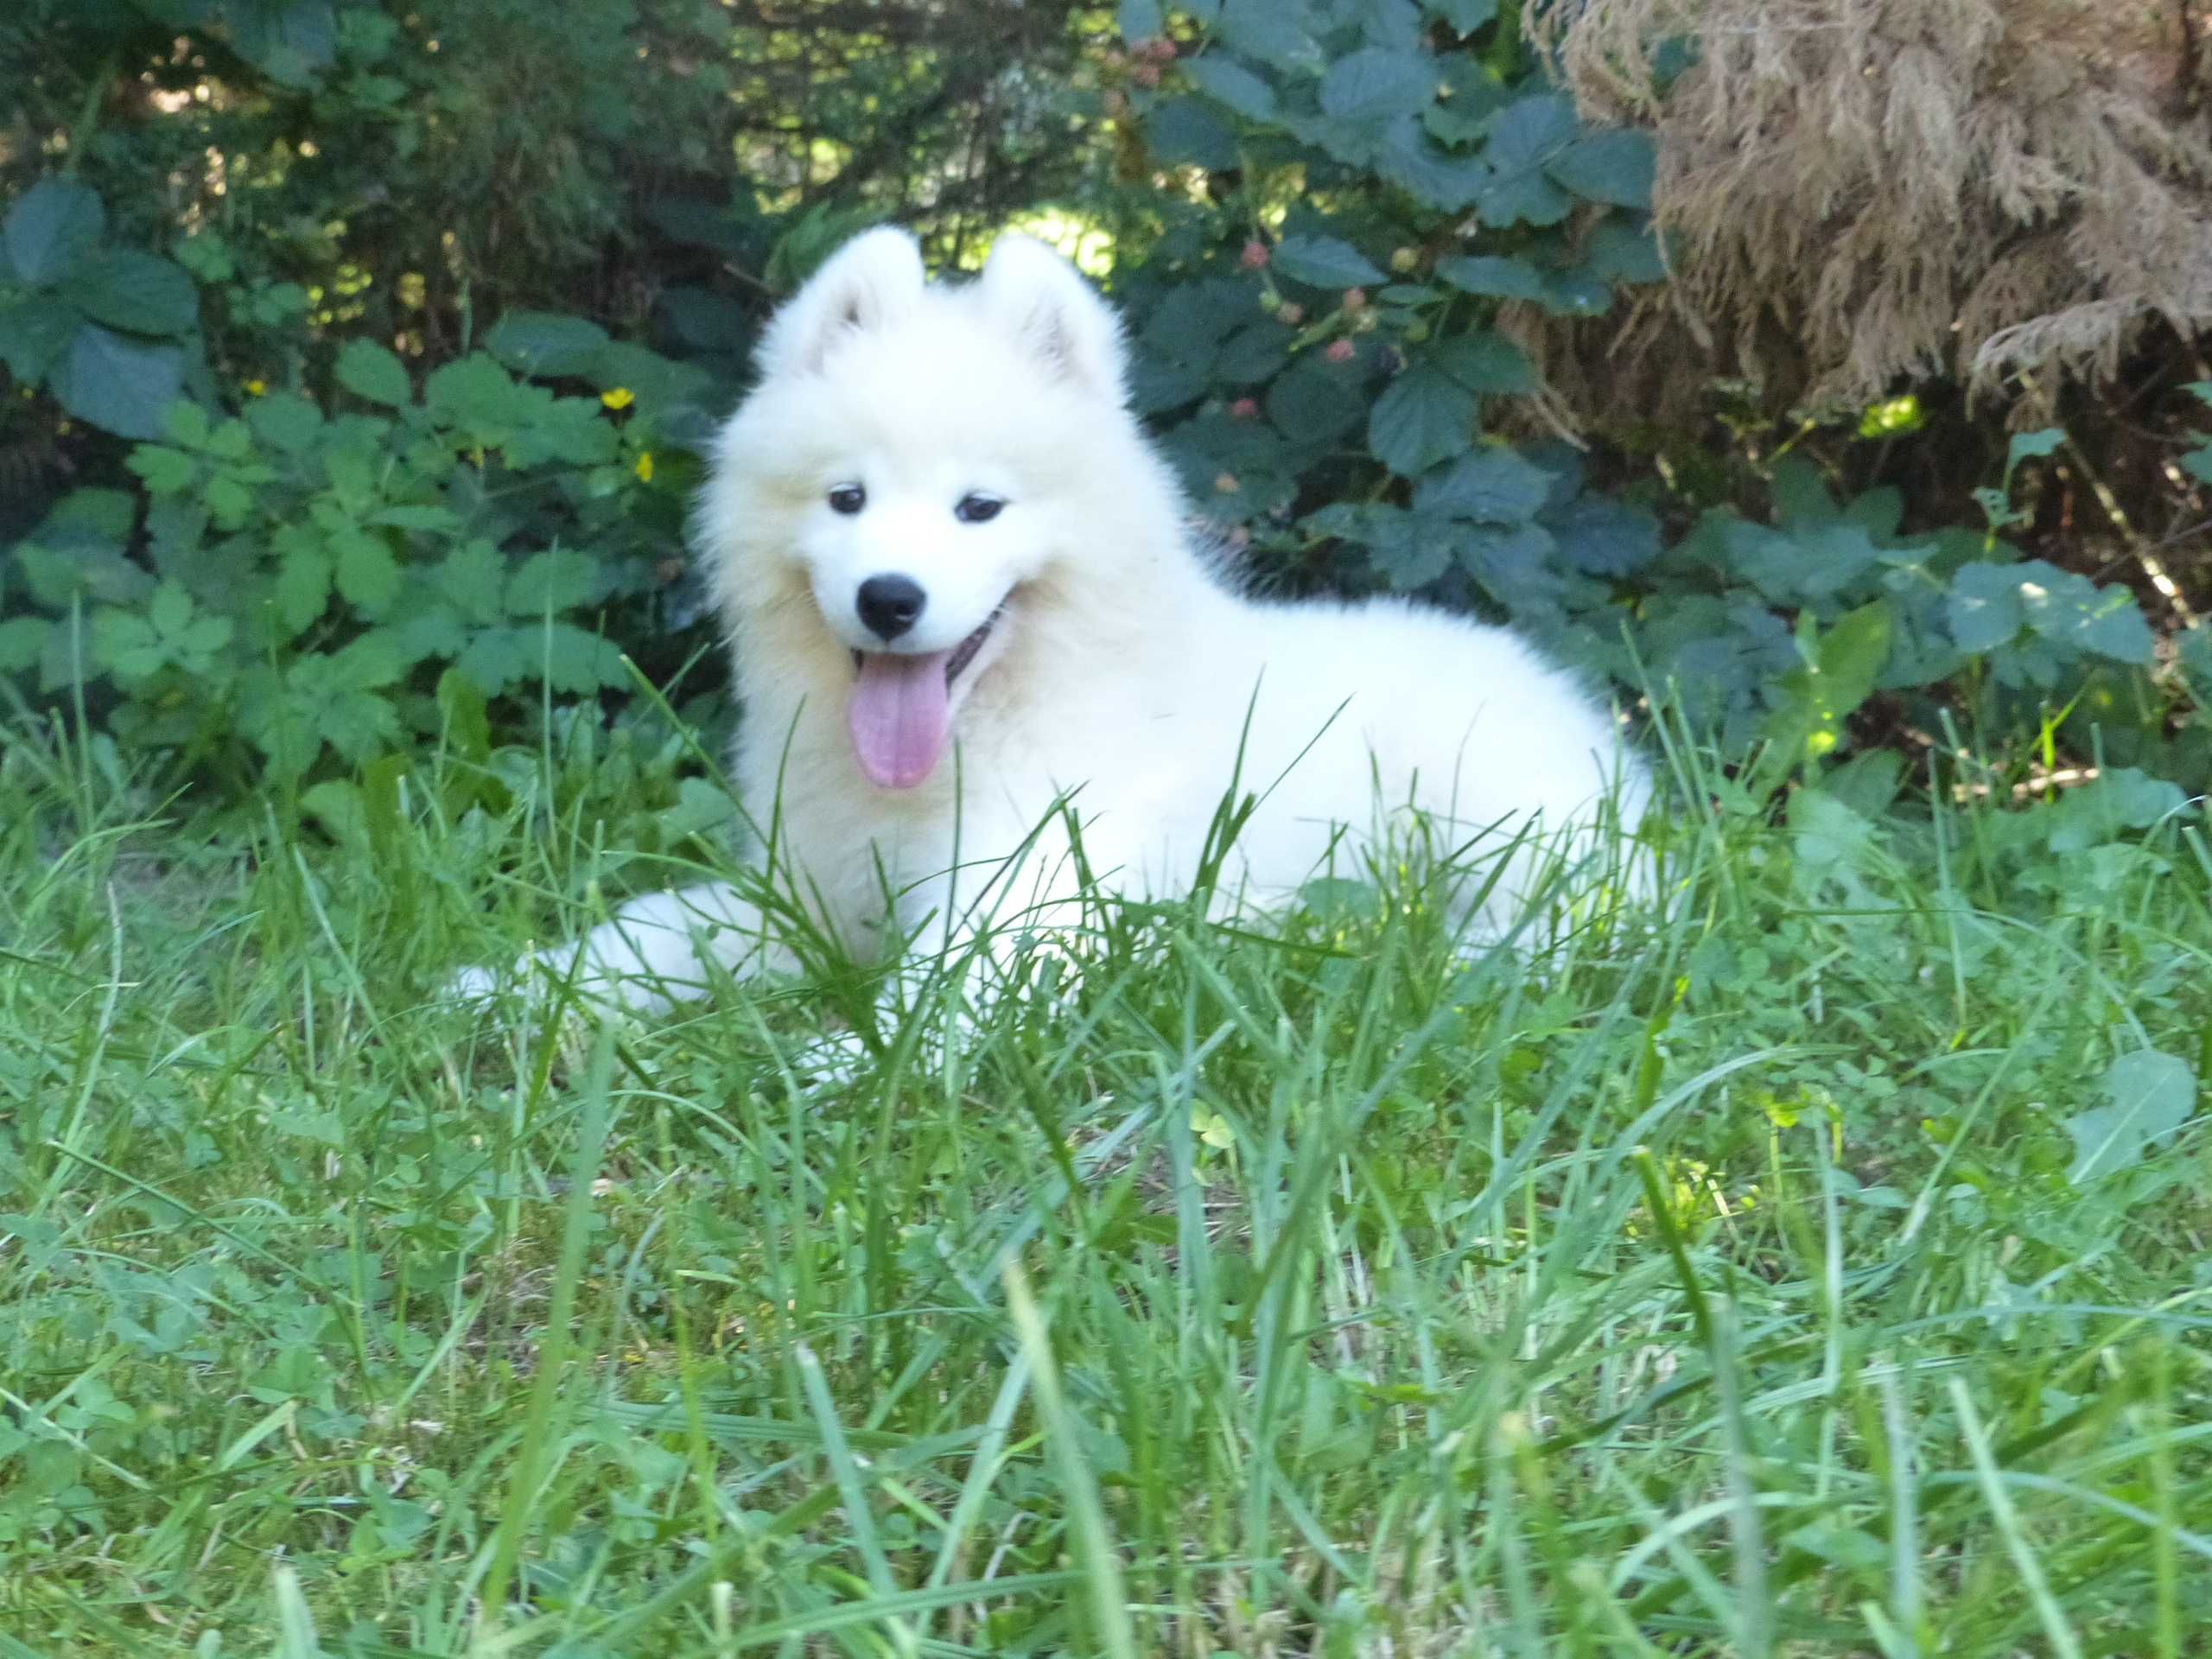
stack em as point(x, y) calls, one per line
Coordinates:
point(966, 606)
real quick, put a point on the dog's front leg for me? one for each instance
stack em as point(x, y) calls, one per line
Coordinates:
point(656, 951)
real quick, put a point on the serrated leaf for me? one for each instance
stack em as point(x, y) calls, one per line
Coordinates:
point(1423, 417)
point(367, 369)
point(1369, 86)
point(142, 292)
point(1324, 262)
point(365, 572)
point(165, 471)
point(2101, 812)
point(1273, 31)
point(1619, 250)
point(303, 588)
point(2149, 1096)
point(1486, 363)
point(53, 225)
point(1604, 536)
point(1614, 166)
point(1407, 157)
point(1524, 139)
point(1494, 275)
point(1493, 486)
point(1186, 133)
point(557, 580)
point(1315, 401)
point(546, 342)
point(1228, 82)
point(285, 422)
point(119, 385)
point(473, 577)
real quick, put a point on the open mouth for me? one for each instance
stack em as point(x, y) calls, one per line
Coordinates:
point(958, 657)
point(900, 711)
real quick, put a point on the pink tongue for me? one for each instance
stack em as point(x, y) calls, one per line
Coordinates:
point(899, 717)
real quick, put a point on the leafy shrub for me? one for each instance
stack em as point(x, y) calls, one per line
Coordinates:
point(307, 578)
point(1370, 188)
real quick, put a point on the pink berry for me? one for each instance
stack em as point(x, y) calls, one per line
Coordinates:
point(1244, 409)
point(1355, 299)
point(1254, 256)
point(1292, 313)
point(1340, 350)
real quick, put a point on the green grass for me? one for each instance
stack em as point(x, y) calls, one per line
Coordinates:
point(1820, 1272)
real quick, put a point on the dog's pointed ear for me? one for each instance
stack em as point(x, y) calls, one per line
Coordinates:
point(872, 279)
point(1055, 313)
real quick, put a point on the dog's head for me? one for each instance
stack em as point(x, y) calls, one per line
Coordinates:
point(915, 460)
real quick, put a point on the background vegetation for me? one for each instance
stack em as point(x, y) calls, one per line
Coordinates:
point(1820, 1272)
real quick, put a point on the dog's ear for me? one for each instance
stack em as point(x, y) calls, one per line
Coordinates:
point(873, 278)
point(1034, 291)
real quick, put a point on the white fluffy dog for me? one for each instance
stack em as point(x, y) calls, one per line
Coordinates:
point(960, 588)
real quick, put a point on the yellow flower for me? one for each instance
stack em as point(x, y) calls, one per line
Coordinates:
point(617, 397)
point(256, 388)
point(646, 466)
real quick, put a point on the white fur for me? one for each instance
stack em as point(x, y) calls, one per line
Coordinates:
point(1123, 670)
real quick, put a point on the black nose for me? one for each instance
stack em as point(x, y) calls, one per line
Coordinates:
point(888, 605)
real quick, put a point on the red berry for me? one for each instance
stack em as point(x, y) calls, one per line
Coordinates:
point(1244, 409)
point(1254, 256)
point(1340, 350)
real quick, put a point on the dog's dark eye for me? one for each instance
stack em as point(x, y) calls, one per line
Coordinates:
point(847, 498)
point(977, 509)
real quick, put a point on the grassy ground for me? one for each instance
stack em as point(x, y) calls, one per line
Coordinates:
point(1821, 1272)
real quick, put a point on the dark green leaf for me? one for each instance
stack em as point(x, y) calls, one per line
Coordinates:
point(285, 422)
point(365, 572)
point(367, 369)
point(1324, 262)
point(1228, 82)
point(142, 292)
point(1410, 159)
point(545, 343)
point(1604, 536)
point(1275, 32)
point(1985, 606)
point(116, 384)
point(1368, 88)
point(1613, 167)
point(292, 41)
point(53, 225)
point(1525, 138)
point(22, 640)
point(1619, 250)
point(1493, 486)
point(1423, 417)
point(557, 581)
point(1487, 363)
point(1315, 401)
point(1494, 275)
point(1186, 133)
point(33, 332)
point(302, 587)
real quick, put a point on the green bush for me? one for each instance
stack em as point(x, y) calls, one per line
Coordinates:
point(300, 580)
point(1373, 189)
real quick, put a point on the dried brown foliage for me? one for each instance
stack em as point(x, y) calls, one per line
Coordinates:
point(1863, 191)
